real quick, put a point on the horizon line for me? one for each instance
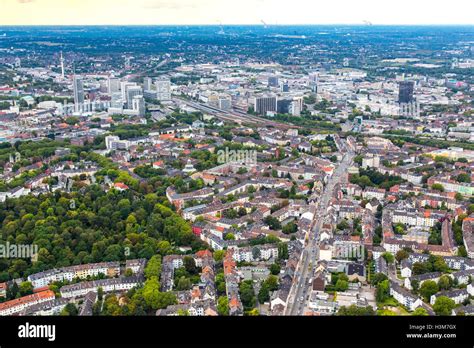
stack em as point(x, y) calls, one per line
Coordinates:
point(268, 25)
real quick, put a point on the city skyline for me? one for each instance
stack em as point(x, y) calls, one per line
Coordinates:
point(245, 12)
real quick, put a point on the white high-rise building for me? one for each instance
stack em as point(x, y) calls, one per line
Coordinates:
point(296, 106)
point(163, 89)
point(62, 65)
point(124, 85)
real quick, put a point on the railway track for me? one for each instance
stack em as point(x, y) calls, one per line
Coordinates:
point(236, 116)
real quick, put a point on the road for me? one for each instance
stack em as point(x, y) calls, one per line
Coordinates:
point(301, 288)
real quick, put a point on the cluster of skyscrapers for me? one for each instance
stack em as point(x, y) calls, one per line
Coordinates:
point(127, 98)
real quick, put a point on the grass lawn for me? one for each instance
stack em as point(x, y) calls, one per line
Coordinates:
point(390, 311)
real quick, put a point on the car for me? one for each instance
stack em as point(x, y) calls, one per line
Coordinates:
point(302, 298)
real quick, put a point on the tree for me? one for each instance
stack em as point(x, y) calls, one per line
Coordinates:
point(253, 313)
point(463, 178)
point(440, 265)
point(155, 299)
point(164, 247)
point(272, 282)
point(443, 305)
point(272, 222)
point(341, 285)
point(470, 209)
point(383, 291)
point(343, 225)
point(290, 227)
point(69, 310)
point(219, 255)
point(388, 257)
point(190, 265)
point(401, 254)
point(354, 310)
point(256, 254)
point(223, 305)
point(438, 187)
point(13, 291)
point(184, 284)
point(444, 282)
point(182, 312)
point(428, 288)
point(26, 288)
point(283, 251)
point(275, 269)
point(378, 277)
point(263, 294)
point(153, 267)
point(247, 294)
point(420, 312)
point(100, 293)
point(151, 292)
point(420, 268)
point(229, 236)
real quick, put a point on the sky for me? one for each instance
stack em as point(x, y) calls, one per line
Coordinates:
point(214, 12)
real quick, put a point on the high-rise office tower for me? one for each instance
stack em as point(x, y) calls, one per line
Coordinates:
point(131, 92)
point(313, 82)
point(113, 85)
point(405, 92)
point(264, 104)
point(284, 105)
point(117, 101)
point(124, 85)
point(163, 89)
point(296, 106)
point(225, 102)
point(78, 86)
point(138, 105)
point(272, 81)
point(147, 83)
point(284, 87)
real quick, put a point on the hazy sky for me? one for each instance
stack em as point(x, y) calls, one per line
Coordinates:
point(88, 12)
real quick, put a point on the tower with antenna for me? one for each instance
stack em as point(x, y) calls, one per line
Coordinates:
point(221, 31)
point(62, 65)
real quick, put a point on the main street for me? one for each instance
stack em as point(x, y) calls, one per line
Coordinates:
point(301, 287)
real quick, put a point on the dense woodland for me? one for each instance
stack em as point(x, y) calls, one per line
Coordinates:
point(99, 226)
